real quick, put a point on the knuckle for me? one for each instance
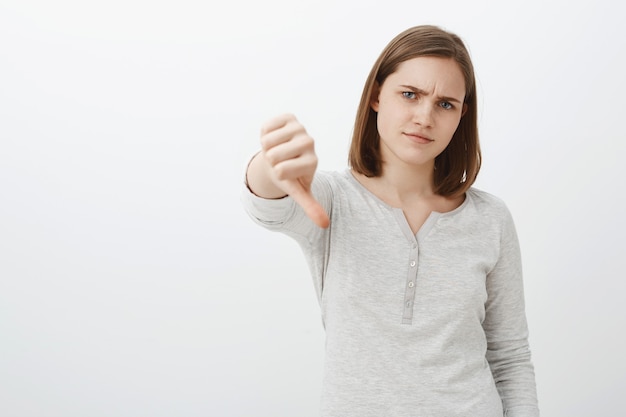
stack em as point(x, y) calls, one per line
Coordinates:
point(280, 172)
point(308, 141)
point(270, 157)
point(264, 144)
point(294, 123)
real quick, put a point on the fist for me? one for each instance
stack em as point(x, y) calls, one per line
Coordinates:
point(290, 153)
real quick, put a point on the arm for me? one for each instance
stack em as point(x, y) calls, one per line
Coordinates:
point(508, 351)
point(286, 165)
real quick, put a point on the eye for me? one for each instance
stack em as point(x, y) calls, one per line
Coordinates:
point(446, 105)
point(409, 94)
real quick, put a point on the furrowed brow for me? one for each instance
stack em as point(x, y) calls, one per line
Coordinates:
point(424, 93)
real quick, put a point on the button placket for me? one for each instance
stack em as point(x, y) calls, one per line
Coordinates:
point(409, 294)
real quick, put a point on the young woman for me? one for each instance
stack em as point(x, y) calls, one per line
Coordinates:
point(418, 274)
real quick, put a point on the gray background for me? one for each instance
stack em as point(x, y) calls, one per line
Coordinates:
point(131, 281)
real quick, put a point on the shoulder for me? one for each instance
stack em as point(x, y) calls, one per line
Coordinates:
point(331, 181)
point(492, 211)
point(487, 208)
point(486, 202)
point(332, 177)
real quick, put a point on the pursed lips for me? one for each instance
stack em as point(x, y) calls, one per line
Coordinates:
point(418, 137)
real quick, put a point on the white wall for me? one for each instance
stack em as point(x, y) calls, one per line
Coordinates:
point(133, 284)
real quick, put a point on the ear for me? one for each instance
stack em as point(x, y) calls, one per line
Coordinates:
point(374, 97)
point(464, 109)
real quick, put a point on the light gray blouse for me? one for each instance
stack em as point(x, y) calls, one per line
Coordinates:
point(431, 324)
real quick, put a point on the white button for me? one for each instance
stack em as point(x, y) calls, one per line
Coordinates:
point(408, 304)
point(412, 263)
point(411, 284)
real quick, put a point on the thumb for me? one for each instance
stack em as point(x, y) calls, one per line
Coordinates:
point(309, 204)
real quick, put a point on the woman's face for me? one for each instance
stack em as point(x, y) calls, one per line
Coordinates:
point(419, 108)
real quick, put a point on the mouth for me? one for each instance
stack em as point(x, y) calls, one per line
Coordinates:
point(416, 137)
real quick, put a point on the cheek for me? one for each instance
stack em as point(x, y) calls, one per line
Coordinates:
point(393, 112)
point(451, 122)
point(384, 118)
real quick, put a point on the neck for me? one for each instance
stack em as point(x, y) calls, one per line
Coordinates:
point(408, 181)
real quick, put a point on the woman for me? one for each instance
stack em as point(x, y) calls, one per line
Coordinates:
point(417, 273)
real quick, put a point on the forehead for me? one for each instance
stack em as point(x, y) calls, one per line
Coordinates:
point(429, 73)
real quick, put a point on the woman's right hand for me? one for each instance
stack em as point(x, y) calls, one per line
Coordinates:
point(289, 154)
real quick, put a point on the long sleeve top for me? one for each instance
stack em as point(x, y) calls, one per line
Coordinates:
point(426, 324)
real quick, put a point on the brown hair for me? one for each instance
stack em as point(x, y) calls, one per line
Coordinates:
point(457, 166)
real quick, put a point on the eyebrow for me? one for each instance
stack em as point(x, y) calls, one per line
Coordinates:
point(424, 93)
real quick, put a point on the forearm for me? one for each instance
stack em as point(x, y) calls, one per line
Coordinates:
point(514, 376)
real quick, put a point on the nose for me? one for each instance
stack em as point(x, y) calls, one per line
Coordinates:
point(423, 113)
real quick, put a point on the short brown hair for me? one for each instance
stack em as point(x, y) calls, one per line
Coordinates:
point(457, 166)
